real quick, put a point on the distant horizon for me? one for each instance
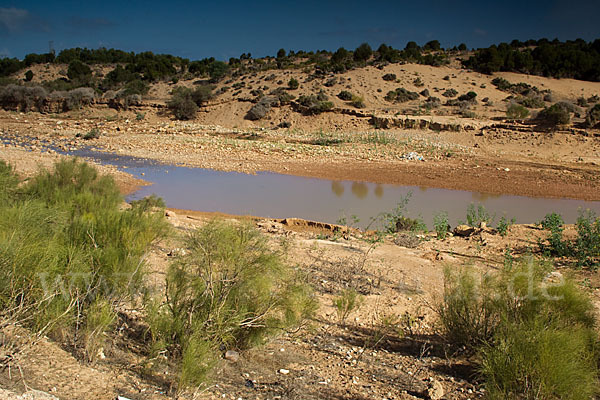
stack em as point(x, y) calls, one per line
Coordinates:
point(274, 55)
point(201, 30)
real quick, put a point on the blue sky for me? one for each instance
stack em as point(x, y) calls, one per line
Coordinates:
point(224, 29)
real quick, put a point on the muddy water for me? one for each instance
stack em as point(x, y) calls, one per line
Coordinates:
point(274, 195)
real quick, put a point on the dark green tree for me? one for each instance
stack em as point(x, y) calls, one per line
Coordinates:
point(363, 52)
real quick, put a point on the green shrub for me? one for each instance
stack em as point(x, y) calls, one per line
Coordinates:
point(534, 339)
point(28, 76)
point(537, 362)
point(389, 77)
point(93, 134)
point(293, 84)
point(440, 222)
point(516, 111)
point(475, 216)
point(503, 225)
point(182, 104)
point(363, 52)
point(501, 83)
point(556, 114)
point(229, 291)
point(79, 72)
point(450, 93)
point(401, 95)
point(587, 243)
point(418, 82)
point(592, 118)
point(531, 101)
point(469, 313)
point(469, 96)
point(357, 101)
point(345, 95)
point(315, 104)
point(68, 252)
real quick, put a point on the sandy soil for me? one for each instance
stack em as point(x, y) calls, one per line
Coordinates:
point(329, 359)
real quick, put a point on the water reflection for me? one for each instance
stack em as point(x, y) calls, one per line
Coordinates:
point(337, 187)
point(280, 196)
point(360, 189)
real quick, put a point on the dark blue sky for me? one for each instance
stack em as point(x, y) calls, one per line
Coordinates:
point(226, 29)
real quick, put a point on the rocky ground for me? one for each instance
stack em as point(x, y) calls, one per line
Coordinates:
point(403, 276)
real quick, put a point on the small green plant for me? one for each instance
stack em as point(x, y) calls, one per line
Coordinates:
point(503, 225)
point(479, 215)
point(440, 222)
point(148, 203)
point(293, 84)
point(28, 76)
point(93, 134)
point(345, 303)
point(140, 116)
point(418, 82)
point(357, 101)
point(587, 243)
point(389, 77)
point(395, 220)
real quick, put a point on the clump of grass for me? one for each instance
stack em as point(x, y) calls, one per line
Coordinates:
point(229, 291)
point(346, 303)
point(534, 339)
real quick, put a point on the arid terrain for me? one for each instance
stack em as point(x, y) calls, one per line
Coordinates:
point(403, 275)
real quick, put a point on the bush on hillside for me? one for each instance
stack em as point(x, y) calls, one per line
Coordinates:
point(592, 118)
point(450, 93)
point(516, 111)
point(401, 95)
point(345, 95)
point(293, 84)
point(555, 115)
point(182, 103)
point(389, 77)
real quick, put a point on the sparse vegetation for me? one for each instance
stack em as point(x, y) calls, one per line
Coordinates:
point(479, 215)
point(389, 77)
point(229, 291)
point(555, 115)
point(450, 93)
point(182, 103)
point(440, 222)
point(293, 84)
point(584, 248)
point(534, 339)
point(345, 303)
point(592, 118)
point(70, 255)
point(516, 111)
point(401, 95)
